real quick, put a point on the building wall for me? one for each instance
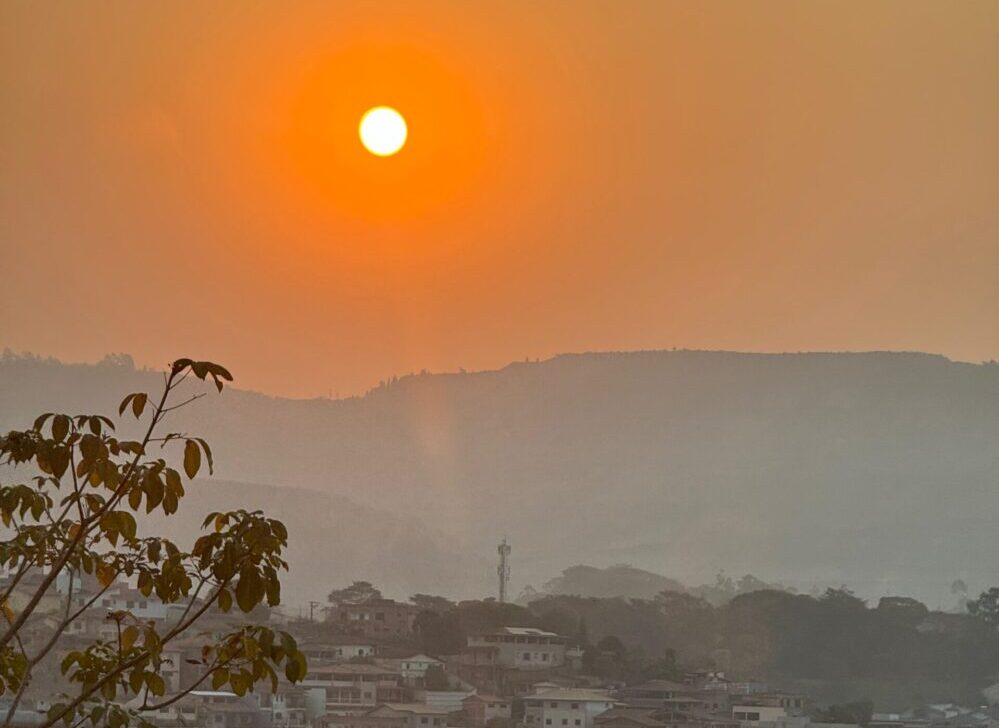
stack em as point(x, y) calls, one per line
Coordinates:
point(541, 713)
point(526, 653)
point(757, 713)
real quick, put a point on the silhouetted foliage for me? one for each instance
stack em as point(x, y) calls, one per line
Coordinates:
point(857, 713)
point(429, 602)
point(74, 518)
point(435, 678)
point(986, 606)
point(357, 593)
point(775, 634)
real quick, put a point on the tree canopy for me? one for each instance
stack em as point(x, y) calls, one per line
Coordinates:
point(72, 516)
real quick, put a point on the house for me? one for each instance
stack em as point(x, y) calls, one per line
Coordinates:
point(392, 715)
point(353, 687)
point(624, 717)
point(565, 708)
point(526, 648)
point(375, 618)
point(707, 680)
point(450, 700)
point(337, 648)
point(478, 710)
point(768, 707)
point(211, 709)
point(285, 708)
point(414, 667)
point(121, 598)
point(673, 699)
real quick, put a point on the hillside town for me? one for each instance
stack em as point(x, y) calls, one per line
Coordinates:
point(366, 669)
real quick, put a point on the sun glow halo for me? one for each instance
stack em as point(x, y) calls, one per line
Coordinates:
point(383, 131)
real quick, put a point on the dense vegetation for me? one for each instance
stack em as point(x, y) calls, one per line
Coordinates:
point(830, 643)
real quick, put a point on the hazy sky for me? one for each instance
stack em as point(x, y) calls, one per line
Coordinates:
point(179, 179)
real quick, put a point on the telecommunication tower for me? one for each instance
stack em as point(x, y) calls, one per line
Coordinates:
point(503, 569)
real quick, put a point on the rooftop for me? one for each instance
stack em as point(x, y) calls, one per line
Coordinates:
point(353, 668)
point(417, 708)
point(578, 695)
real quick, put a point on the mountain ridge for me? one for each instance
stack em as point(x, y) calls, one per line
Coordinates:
point(876, 469)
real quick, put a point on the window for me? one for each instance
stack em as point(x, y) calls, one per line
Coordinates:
point(527, 656)
point(575, 706)
point(548, 721)
point(424, 720)
point(544, 657)
point(380, 616)
point(565, 721)
point(577, 721)
point(553, 705)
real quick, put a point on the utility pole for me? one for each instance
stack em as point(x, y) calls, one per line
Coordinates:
point(312, 610)
point(503, 570)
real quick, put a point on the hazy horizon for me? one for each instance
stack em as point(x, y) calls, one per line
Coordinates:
point(381, 379)
point(578, 177)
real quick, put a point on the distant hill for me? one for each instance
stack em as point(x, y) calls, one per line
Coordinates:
point(878, 470)
point(334, 541)
point(619, 580)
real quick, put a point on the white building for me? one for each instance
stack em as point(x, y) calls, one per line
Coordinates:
point(565, 708)
point(758, 713)
point(409, 715)
point(337, 648)
point(448, 700)
point(525, 648)
point(414, 668)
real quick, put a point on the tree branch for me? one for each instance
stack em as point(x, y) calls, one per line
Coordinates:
point(94, 518)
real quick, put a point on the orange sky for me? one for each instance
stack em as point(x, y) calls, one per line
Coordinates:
point(579, 176)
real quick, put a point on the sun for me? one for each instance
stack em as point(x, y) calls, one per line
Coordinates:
point(383, 131)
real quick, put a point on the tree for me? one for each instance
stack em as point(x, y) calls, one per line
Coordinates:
point(986, 607)
point(357, 593)
point(431, 603)
point(858, 713)
point(439, 633)
point(435, 678)
point(74, 519)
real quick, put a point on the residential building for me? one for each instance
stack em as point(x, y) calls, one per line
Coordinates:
point(526, 648)
point(375, 618)
point(392, 715)
point(565, 708)
point(450, 700)
point(414, 667)
point(354, 687)
point(337, 648)
point(479, 710)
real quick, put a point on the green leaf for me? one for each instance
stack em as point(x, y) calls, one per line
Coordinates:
point(192, 458)
point(40, 421)
point(60, 427)
point(208, 455)
point(219, 678)
point(249, 589)
point(128, 637)
point(156, 684)
point(138, 404)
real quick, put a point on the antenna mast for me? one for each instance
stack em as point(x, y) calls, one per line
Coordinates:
point(503, 570)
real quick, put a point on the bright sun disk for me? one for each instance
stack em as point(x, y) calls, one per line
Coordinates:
point(383, 131)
